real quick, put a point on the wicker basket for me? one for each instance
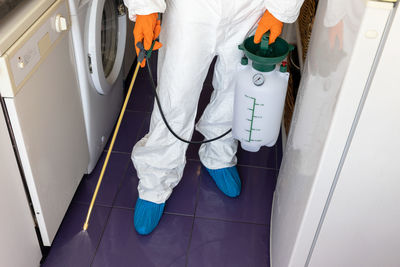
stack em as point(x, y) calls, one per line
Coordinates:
point(306, 21)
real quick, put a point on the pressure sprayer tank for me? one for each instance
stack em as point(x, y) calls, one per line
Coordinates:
point(260, 93)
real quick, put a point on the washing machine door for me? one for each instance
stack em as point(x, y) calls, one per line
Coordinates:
point(106, 42)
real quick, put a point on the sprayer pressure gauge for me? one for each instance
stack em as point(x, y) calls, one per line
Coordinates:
point(258, 79)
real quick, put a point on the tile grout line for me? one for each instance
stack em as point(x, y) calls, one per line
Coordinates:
point(231, 221)
point(194, 218)
point(188, 215)
point(117, 152)
point(88, 203)
point(135, 111)
point(101, 237)
point(257, 167)
point(109, 213)
point(243, 165)
point(165, 212)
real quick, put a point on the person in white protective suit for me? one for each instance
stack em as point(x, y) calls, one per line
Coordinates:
point(193, 32)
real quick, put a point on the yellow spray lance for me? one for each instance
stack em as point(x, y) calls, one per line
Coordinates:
point(141, 56)
point(121, 115)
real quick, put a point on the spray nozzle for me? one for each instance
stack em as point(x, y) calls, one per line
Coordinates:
point(143, 52)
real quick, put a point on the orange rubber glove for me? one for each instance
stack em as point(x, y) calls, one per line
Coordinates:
point(147, 28)
point(268, 23)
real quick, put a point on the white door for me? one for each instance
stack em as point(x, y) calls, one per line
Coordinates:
point(361, 225)
point(106, 42)
point(334, 80)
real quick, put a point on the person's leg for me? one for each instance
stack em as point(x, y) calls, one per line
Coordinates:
point(159, 157)
point(188, 48)
point(219, 156)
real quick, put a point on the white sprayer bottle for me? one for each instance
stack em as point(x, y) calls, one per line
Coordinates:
point(260, 93)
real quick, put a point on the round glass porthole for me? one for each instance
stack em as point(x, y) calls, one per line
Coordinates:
point(109, 36)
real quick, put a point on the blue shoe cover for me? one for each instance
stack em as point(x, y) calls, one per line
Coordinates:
point(147, 215)
point(227, 180)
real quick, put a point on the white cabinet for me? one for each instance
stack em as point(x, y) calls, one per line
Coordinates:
point(18, 243)
point(45, 110)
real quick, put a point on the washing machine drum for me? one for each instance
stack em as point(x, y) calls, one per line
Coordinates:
point(106, 42)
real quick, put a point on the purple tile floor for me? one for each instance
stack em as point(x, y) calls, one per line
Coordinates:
point(200, 227)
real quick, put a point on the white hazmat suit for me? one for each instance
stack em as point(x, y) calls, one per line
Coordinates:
point(193, 32)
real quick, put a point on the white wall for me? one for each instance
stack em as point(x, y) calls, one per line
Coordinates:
point(18, 243)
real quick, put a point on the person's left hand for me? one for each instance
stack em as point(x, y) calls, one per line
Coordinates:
point(268, 23)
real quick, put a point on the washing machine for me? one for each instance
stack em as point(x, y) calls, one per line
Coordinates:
point(99, 35)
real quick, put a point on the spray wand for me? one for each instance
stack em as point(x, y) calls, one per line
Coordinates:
point(121, 115)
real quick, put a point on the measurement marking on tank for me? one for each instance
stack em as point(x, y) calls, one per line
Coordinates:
point(251, 140)
point(251, 129)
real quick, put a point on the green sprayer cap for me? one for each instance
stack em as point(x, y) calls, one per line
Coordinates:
point(265, 56)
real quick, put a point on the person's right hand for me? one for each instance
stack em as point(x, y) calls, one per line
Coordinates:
point(147, 29)
point(268, 23)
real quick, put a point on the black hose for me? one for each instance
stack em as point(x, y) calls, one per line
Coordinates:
point(165, 120)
